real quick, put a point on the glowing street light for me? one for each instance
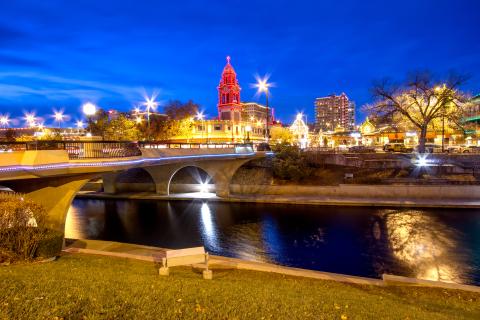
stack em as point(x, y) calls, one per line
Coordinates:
point(4, 121)
point(59, 116)
point(262, 86)
point(200, 116)
point(150, 104)
point(138, 119)
point(89, 109)
point(30, 119)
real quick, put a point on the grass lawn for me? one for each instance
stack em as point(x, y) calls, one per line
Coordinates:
point(93, 287)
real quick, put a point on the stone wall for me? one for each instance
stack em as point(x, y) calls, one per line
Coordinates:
point(364, 191)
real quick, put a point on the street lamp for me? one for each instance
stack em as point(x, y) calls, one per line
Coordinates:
point(89, 109)
point(262, 86)
point(441, 91)
point(248, 128)
point(4, 121)
point(200, 116)
point(58, 115)
point(150, 103)
point(30, 119)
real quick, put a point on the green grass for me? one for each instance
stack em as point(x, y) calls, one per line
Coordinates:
point(94, 287)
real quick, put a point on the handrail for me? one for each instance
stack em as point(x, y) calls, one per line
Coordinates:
point(111, 149)
point(79, 149)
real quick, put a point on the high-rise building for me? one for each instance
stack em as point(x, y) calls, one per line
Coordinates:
point(334, 112)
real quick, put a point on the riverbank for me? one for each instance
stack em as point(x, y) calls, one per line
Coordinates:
point(294, 199)
point(99, 287)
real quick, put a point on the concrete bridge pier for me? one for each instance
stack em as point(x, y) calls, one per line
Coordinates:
point(55, 194)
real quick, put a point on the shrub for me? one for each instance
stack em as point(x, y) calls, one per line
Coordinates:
point(23, 234)
point(289, 163)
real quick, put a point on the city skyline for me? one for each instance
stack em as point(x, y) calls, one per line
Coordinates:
point(60, 55)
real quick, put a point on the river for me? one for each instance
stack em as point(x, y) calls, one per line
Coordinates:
point(434, 244)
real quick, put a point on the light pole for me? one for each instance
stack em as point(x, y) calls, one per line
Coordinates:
point(150, 104)
point(30, 119)
point(58, 115)
point(441, 90)
point(200, 117)
point(4, 121)
point(262, 86)
point(89, 109)
point(248, 128)
point(80, 125)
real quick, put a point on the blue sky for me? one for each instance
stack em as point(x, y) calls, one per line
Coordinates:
point(59, 54)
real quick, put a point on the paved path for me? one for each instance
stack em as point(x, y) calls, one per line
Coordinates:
point(284, 199)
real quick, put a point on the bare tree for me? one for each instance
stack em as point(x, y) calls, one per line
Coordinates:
point(419, 101)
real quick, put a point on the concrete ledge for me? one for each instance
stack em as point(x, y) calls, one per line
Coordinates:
point(151, 254)
point(294, 200)
point(399, 280)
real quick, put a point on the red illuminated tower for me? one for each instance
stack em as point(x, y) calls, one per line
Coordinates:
point(229, 106)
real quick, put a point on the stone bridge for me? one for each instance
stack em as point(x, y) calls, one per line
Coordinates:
point(53, 177)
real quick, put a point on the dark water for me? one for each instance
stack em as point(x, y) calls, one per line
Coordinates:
point(432, 244)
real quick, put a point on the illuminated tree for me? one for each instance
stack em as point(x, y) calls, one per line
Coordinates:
point(121, 128)
point(281, 135)
point(420, 101)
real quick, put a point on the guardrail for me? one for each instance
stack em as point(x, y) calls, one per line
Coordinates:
point(186, 145)
point(79, 149)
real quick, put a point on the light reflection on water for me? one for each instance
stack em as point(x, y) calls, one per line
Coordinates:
point(429, 244)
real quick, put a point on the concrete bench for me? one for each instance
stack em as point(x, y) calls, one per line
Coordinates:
point(184, 257)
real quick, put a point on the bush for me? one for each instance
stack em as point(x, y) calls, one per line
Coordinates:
point(23, 234)
point(289, 163)
point(50, 244)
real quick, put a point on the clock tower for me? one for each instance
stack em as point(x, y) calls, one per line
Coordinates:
point(229, 106)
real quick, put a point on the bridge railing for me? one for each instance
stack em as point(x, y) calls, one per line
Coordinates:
point(78, 150)
point(185, 145)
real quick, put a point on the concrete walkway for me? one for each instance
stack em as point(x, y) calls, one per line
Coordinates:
point(154, 254)
point(285, 199)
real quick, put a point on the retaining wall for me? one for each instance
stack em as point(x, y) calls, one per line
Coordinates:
point(364, 191)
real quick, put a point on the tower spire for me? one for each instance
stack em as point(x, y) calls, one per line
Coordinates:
point(228, 59)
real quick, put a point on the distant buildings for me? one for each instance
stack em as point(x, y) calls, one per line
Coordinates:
point(252, 111)
point(333, 112)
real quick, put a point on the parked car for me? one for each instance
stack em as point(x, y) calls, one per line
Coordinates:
point(454, 149)
point(361, 149)
point(396, 147)
point(431, 148)
point(471, 149)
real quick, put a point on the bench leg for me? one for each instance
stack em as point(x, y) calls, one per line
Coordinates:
point(207, 274)
point(163, 271)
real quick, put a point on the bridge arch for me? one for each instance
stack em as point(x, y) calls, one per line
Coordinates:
point(134, 180)
point(191, 178)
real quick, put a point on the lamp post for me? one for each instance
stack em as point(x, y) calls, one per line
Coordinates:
point(200, 117)
point(441, 90)
point(262, 86)
point(4, 121)
point(248, 128)
point(80, 125)
point(89, 109)
point(58, 115)
point(150, 104)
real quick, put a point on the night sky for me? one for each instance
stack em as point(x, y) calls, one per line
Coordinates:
point(59, 54)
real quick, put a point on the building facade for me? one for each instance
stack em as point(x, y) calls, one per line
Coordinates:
point(252, 111)
point(334, 112)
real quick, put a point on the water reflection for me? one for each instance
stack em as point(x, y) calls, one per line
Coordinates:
point(209, 232)
point(426, 245)
point(437, 245)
